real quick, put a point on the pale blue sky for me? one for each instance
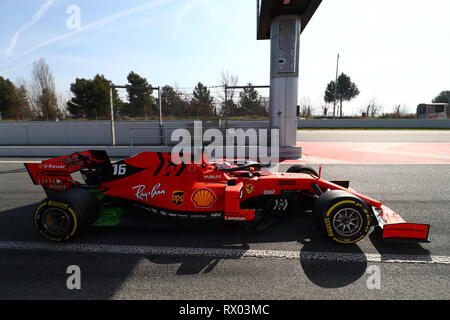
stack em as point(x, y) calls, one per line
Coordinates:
point(396, 51)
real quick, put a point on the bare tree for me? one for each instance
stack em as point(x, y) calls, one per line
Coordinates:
point(306, 109)
point(373, 108)
point(43, 94)
point(400, 111)
point(32, 97)
point(228, 79)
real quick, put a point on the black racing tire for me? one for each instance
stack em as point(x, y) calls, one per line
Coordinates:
point(302, 169)
point(342, 216)
point(63, 216)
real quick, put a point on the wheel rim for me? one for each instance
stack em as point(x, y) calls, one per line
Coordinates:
point(347, 222)
point(56, 221)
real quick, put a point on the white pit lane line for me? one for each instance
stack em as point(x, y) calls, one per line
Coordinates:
point(224, 253)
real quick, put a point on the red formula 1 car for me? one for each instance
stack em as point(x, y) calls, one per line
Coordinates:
point(182, 190)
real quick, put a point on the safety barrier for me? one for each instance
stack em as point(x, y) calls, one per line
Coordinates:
point(98, 133)
point(149, 133)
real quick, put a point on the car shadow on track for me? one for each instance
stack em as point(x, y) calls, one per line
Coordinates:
point(323, 261)
point(386, 249)
point(105, 274)
point(294, 233)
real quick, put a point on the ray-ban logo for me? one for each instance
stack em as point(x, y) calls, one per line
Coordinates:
point(143, 196)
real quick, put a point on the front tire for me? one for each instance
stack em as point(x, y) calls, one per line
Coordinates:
point(342, 217)
point(63, 216)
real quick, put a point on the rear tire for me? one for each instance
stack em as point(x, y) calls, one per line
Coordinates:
point(63, 216)
point(342, 217)
point(302, 169)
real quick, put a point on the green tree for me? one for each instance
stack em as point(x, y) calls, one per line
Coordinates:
point(140, 100)
point(7, 97)
point(91, 98)
point(202, 103)
point(250, 103)
point(346, 91)
point(23, 105)
point(172, 103)
point(81, 103)
point(443, 97)
point(101, 103)
point(330, 92)
point(13, 100)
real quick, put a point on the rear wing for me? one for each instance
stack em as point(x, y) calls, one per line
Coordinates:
point(55, 174)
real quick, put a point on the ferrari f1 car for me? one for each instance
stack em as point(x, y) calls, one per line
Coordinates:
point(181, 190)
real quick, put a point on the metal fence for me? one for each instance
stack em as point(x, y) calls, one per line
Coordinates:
point(144, 136)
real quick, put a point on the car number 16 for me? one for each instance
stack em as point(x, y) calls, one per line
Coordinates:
point(120, 170)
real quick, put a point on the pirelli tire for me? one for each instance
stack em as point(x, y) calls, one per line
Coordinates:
point(63, 216)
point(342, 217)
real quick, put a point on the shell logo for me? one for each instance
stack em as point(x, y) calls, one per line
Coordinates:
point(204, 198)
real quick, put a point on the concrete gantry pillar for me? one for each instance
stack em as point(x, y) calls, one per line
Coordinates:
point(283, 21)
point(285, 45)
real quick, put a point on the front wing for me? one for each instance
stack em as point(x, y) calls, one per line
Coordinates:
point(395, 229)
